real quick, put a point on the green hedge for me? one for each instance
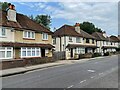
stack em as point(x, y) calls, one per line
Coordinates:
point(97, 54)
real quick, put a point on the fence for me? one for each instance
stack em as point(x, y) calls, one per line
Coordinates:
point(60, 55)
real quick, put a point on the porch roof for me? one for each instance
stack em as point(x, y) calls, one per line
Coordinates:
point(79, 45)
point(18, 45)
point(107, 47)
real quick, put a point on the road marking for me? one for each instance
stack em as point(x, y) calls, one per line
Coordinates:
point(91, 70)
point(92, 77)
point(82, 81)
point(70, 86)
point(100, 73)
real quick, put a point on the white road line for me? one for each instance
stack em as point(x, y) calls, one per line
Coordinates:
point(91, 70)
point(82, 81)
point(92, 77)
point(70, 86)
point(100, 73)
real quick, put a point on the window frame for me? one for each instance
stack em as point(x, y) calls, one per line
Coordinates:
point(44, 36)
point(27, 33)
point(30, 49)
point(87, 40)
point(70, 39)
point(1, 32)
point(6, 50)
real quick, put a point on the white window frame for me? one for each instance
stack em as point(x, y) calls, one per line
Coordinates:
point(77, 40)
point(32, 34)
point(31, 49)
point(1, 32)
point(46, 36)
point(6, 50)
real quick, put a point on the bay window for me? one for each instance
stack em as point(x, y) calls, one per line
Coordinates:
point(30, 52)
point(6, 52)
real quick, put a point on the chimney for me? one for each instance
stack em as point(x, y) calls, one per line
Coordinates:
point(104, 34)
point(11, 13)
point(77, 27)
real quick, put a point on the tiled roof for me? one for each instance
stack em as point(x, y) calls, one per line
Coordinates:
point(99, 36)
point(23, 23)
point(16, 44)
point(115, 39)
point(67, 30)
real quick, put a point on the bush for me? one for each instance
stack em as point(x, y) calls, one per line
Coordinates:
point(97, 54)
point(106, 54)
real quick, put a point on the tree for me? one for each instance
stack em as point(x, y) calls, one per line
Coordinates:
point(89, 27)
point(44, 20)
point(3, 5)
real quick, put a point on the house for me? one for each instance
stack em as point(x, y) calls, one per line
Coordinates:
point(73, 40)
point(20, 37)
point(104, 43)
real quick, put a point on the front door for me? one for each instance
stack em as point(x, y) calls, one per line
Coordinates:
point(71, 52)
point(43, 52)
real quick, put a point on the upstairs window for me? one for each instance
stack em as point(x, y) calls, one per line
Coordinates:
point(54, 41)
point(29, 34)
point(44, 36)
point(78, 40)
point(70, 39)
point(87, 40)
point(93, 41)
point(3, 32)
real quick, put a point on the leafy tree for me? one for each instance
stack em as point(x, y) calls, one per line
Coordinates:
point(31, 17)
point(89, 27)
point(44, 20)
point(3, 5)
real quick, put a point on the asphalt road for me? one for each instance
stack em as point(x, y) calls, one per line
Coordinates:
point(97, 73)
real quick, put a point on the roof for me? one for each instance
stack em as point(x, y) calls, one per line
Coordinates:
point(79, 45)
point(16, 44)
point(115, 39)
point(67, 30)
point(99, 36)
point(23, 23)
point(106, 47)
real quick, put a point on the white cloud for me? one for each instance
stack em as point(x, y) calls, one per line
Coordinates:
point(103, 15)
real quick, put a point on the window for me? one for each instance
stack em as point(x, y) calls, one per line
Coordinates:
point(78, 40)
point(45, 36)
point(93, 41)
point(87, 40)
point(54, 40)
point(30, 52)
point(80, 50)
point(3, 32)
point(70, 39)
point(6, 52)
point(29, 34)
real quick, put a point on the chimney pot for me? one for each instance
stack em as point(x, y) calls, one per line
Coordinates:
point(77, 24)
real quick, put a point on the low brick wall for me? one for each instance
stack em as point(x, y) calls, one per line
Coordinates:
point(24, 62)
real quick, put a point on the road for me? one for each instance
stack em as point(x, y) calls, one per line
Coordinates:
point(97, 73)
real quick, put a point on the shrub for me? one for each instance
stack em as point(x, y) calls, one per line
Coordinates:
point(97, 54)
point(106, 54)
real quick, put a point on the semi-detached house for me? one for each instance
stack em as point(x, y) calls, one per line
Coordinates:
point(105, 43)
point(73, 40)
point(20, 37)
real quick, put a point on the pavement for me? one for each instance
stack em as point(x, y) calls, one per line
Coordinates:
point(92, 73)
point(13, 71)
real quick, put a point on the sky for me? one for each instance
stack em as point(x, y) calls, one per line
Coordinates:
point(103, 14)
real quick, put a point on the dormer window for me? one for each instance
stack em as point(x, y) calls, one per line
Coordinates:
point(44, 36)
point(29, 34)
